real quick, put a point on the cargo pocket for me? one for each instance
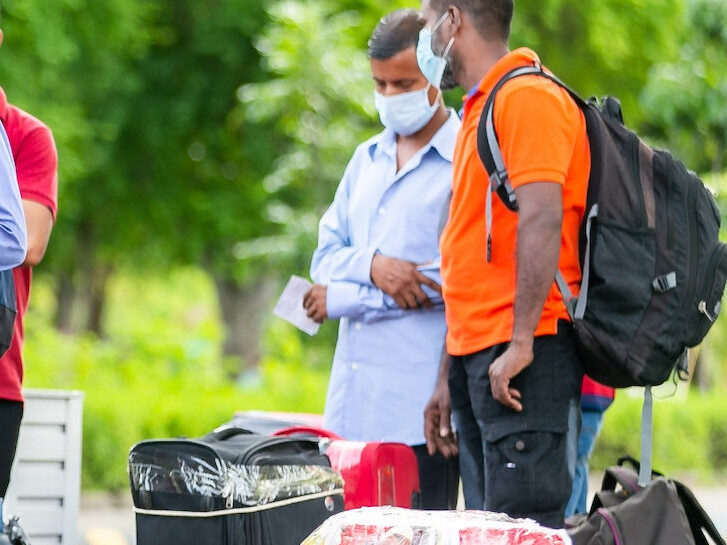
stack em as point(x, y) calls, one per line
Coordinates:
point(527, 475)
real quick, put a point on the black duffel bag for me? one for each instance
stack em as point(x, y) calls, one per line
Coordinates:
point(665, 512)
point(231, 487)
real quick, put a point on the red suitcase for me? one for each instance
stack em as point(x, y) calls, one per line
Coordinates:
point(374, 474)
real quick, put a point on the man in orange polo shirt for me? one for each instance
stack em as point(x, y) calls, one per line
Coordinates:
point(514, 372)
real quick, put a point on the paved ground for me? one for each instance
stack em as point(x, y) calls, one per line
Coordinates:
point(110, 521)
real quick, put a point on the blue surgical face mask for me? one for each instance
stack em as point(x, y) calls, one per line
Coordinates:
point(406, 113)
point(432, 65)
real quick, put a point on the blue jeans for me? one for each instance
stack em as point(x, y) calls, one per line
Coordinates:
point(591, 422)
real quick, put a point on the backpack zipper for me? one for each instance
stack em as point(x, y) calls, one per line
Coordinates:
point(612, 525)
point(693, 244)
point(667, 201)
point(718, 256)
point(636, 173)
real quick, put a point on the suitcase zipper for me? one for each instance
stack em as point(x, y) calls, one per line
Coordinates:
point(612, 525)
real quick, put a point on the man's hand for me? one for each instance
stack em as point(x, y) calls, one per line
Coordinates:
point(437, 414)
point(438, 424)
point(402, 281)
point(509, 365)
point(314, 303)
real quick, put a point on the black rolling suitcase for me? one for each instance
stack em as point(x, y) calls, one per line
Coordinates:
point(231, 487)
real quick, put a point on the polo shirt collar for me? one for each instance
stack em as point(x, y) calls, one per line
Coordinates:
point(519, 57)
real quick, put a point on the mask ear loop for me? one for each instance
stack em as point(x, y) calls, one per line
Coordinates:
point(451, 40)
point(436, 99)
point(440, 21)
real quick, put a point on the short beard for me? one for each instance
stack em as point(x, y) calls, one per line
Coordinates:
point(449, 82)
point(452, 73)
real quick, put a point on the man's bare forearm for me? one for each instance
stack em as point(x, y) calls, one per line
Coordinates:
point(444, 364)
point(538, 252)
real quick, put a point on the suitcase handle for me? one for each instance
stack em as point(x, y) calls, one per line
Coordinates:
point(305, 430)
point(627, 478)
point(226, 432)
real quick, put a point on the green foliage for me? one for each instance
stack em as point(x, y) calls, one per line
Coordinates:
point(605, 47)
point(685, 98)
point(71, 65)
point(689, 435)
point(318, 103)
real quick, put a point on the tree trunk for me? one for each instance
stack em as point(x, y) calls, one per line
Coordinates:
point(702, 376)
point(244, 309)
point(97, 278)
point(718, 163)
point(65, 297)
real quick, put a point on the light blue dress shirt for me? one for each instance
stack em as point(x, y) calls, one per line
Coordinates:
point(386, 360)
point(13, 238)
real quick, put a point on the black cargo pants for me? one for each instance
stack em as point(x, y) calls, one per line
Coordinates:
point(520, 459)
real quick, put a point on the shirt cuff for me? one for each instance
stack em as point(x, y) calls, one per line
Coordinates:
point(360, 267)
point(341, 300)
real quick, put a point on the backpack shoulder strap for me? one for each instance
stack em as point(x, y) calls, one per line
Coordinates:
point(488, 149)
point(488, 144)
point(698, 518)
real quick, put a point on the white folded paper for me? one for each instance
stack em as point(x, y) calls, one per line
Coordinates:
point(290, 305)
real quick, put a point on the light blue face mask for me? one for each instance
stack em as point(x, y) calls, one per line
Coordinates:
point(406, 113)
point(432, 65)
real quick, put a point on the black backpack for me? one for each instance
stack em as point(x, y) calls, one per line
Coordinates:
point(653, 268)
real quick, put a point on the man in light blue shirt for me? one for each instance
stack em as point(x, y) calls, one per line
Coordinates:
point(13, 239)
point(376, 265)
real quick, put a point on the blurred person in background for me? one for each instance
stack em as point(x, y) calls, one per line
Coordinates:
point(595, 400)
point(30, 145)
point(384, 221)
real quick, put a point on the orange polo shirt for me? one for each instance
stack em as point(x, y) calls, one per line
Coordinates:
point(542, 135)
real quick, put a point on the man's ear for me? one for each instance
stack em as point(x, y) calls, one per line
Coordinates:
point(1, 37)
point(455, 16)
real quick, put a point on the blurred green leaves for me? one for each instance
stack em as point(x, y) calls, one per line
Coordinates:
point(685, 101)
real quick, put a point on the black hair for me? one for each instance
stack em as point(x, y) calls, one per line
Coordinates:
point(491, 17)
point(396, 32)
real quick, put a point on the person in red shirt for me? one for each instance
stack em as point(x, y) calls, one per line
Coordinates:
point(36, 162)
point(595, 399)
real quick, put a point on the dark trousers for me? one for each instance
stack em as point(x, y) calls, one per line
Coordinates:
point(517, 463)
point(438, 480)
point(11, 413)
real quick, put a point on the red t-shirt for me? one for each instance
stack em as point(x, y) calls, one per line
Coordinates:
point(36, 164)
